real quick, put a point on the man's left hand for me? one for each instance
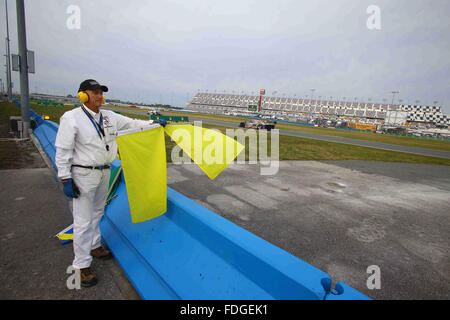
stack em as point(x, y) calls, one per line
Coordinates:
point(162, 122)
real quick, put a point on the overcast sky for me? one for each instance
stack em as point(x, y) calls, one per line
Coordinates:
point(165, 51)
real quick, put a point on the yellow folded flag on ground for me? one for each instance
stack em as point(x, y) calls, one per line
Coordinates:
point(210, 149)
point(143, 156)
point(66, 236)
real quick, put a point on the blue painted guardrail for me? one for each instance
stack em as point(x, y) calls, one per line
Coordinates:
point(191, 252)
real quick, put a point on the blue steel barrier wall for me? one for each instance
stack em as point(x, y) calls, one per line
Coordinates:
point(33, 114)
point(191, 252)
point(46, 134)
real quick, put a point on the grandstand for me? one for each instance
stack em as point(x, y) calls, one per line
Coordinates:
point(306, 110)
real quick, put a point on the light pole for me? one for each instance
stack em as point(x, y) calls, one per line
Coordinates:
point(312, 95)
point(24, 94)
point(393, 95)
point(8, 56)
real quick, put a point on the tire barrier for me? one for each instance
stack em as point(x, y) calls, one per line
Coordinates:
point(193, 253)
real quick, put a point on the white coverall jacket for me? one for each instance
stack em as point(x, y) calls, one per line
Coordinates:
point(78, 142)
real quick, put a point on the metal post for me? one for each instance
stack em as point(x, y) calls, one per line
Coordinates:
point(24, 94)
point(392, 104)
point(393, 95)
point(259, 106)
point(312, 95)
point(8, 56)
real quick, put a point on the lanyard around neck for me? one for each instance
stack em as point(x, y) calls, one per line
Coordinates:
point(96, 125)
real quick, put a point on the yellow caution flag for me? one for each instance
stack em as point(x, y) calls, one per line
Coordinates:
point(210, 149)
point(143, 156)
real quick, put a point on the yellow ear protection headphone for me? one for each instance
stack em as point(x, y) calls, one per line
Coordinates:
point(84, 97)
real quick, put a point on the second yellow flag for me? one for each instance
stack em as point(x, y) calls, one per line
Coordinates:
point(210, 149)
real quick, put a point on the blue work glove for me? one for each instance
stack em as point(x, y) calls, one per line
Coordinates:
point(70, 188)
point(162, 122)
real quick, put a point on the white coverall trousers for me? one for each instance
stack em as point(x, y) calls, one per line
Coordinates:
point(88, 209)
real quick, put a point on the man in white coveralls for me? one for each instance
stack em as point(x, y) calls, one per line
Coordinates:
point(85, 147)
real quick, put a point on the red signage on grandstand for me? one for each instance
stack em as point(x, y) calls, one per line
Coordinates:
point(262, 92)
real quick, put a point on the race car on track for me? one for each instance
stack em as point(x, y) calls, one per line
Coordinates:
point(257, 125)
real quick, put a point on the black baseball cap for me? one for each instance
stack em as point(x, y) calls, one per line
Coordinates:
point(91, 84)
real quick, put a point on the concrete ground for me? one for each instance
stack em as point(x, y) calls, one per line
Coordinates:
point(33, 263)
point(342, 217)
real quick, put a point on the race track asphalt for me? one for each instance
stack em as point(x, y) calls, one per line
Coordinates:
point(355, 142)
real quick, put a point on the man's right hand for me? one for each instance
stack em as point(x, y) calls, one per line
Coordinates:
point(70, 188)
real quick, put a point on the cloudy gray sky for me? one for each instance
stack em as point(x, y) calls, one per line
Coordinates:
point(165, 51)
